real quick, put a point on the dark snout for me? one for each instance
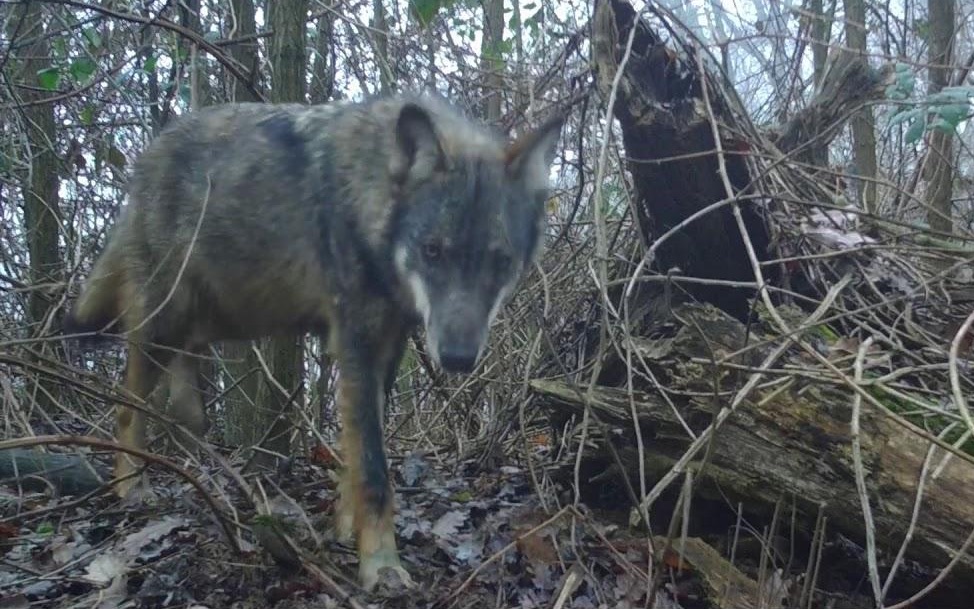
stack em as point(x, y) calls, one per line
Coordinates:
point(458, 347)
point(459, 337)
point(458, 358)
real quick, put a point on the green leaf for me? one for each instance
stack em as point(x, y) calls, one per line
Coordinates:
point(951, 95)
point(904, 116)
point(921, 27)
point(942, 125)
point(116, 158)
point(966, 90)
point(60, 47)
point(426, 10)
point(953, 113)
point(149, 66)
point(87, 115)
point(82, 68)
point(462, 496)
point(894, 93)
point(93, 38)
point(906, 80)
point(915, 131)
point(49, 78)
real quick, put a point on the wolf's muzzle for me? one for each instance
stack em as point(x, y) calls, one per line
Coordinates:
point(458, 359)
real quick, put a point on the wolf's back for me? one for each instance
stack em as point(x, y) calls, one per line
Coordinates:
point(241, 203)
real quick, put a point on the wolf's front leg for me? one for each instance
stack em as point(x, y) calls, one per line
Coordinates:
point(366, 504)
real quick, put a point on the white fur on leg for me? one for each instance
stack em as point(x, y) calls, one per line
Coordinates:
point(345, 512)
point(384, 558)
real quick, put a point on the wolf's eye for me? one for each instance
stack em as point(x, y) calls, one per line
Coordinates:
point(502, 262)
point(432, 250)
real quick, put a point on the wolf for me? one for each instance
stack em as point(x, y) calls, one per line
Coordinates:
point(357, 221)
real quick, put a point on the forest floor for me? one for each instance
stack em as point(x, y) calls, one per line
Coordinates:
point(468, 540)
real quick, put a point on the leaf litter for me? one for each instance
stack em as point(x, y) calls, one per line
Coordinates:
point(469, 540)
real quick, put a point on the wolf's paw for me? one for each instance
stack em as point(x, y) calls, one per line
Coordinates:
point(136, 491)
point(384, 566)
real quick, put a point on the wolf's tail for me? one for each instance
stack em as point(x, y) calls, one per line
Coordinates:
point(99, 306)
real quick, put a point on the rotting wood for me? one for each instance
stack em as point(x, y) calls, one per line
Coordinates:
point(670, 153)
point(794, 445)
point(672, 156)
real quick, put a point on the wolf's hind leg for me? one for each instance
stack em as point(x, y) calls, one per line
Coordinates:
point(185, 397)
point(142, 372)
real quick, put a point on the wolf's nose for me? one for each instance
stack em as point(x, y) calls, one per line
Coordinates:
point(458, 360)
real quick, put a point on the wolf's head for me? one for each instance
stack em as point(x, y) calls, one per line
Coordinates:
point(468, 225)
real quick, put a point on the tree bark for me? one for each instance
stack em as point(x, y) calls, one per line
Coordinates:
point(659, 108)
point(69, 474)
point(323, 67)
point(491, 54)
point(244, 27)
point(863, 123)
point(821, 32)
point(288, 20)
point(40, 185)
point(380, 38)
point(820, 27)
point(939, 169)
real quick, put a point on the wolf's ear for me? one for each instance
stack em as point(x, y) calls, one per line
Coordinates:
point(417, 153)
point(529, 157)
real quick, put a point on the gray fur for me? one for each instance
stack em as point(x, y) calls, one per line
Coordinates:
point(355, 221)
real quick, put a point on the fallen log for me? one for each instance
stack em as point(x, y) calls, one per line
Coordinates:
point(790, 441)
point(68, 474)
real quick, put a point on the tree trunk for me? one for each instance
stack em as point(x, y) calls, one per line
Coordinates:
point(380, 38)
point(40, 186)
point(241, 372)
point(820, 26)
point(658, 106)
point(939, 169)
point(245, 51)
point(821, 33)
point(201, 95)
point(492, 61)
point(863, 123)
point(323, 67)
point(323, 89)
point(288, 19)
point(285, 356)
